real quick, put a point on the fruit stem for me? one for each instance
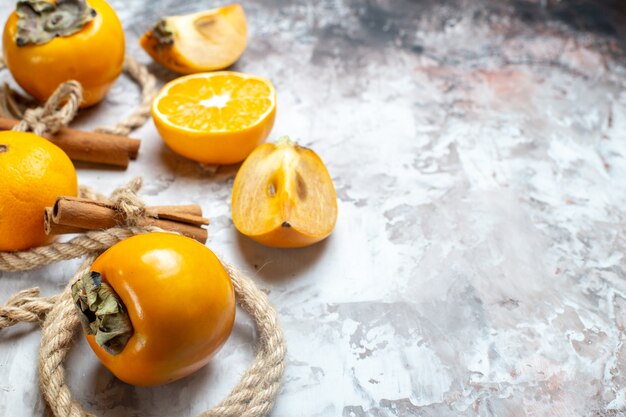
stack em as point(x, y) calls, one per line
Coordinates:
point(4, 148)
point(163, 33)
point(40, 21)
point(102, 312)
point(285, 141)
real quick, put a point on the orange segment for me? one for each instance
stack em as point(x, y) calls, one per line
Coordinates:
point(283, 196)
point(215, 118)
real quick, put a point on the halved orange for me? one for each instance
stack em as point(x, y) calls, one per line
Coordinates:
point(215, 118)
point(284, 197)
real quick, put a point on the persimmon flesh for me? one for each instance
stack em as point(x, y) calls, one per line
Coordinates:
point(284, 197)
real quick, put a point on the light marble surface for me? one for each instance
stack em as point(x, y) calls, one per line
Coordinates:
point(478, 150)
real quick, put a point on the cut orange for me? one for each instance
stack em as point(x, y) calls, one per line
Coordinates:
point(284, 197)
point(215, 118)
point(204, 41)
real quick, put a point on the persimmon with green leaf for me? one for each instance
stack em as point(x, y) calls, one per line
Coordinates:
point(155, 307)
point(49, 42)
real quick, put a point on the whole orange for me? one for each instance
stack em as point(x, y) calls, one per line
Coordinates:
point(33, 173)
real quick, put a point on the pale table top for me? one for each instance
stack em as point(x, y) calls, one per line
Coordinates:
point(478, 150)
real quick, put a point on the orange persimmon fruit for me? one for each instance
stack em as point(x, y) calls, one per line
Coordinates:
point(205, 41)
point(82, 41)
point(215, 118)
point(284, 197)
point(33, 173)
point(155, 307)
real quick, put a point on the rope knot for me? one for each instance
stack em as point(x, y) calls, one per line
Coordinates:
point(126, 201)
point(25, 306)
point(56, 113)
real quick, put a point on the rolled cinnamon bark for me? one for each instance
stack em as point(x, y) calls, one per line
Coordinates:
point(53, 228)
point(193, 209)
point(85, 214)
point(77, 215)
point(192, 231)
point(99, 148)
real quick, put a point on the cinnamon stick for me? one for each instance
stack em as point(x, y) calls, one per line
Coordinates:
point(100, 148)
point(53, 228)
point(192, 231)
point(194, 209)
point(77, 215)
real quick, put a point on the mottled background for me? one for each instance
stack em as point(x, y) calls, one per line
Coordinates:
point(477, 269)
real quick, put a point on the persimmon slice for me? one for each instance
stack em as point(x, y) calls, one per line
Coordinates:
point(205, 41)
point(284, 197)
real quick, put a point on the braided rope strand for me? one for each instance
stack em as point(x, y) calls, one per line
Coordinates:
point(25, 306)
point(58, 112)
point(56, 340)
point(253, 396)
point(148, 84)
point(79, 246)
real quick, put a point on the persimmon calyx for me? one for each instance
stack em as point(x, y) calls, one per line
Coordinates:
point(40, 21)
point(102, 313)
point(163, 33)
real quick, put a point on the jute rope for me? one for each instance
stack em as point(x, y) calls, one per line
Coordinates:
point(253, 396)
point(25, 306)
point(62, 106)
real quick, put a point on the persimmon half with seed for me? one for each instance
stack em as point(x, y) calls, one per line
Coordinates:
point(284, 197)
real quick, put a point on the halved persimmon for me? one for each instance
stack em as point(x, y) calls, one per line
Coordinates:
point(284, 197)
point(204, 41)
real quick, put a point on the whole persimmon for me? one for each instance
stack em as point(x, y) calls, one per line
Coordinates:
point(155, 307)
point(49, 42)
